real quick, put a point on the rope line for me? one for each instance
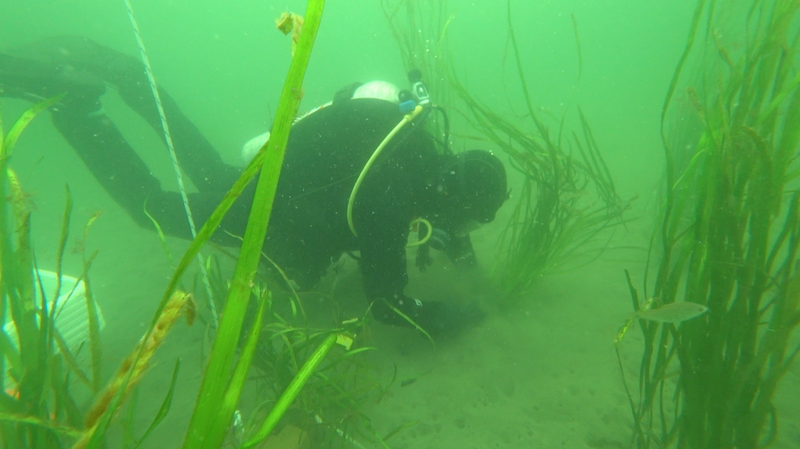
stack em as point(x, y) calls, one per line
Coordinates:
point(175, 166)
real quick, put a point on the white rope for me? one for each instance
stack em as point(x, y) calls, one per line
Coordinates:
point(171, 147)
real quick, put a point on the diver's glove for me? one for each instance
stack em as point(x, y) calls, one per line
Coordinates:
point(461, 253)
point(436, 318)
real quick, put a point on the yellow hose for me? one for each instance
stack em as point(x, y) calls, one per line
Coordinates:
point(407, 118)
point(427, 237)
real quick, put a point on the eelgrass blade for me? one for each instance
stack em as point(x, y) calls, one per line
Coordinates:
point(11, 352)
point(578, 44)
point(32, 341)
point(409, 321)
point(722, 235)
point(94, 332)
point(238, 379)
point(285, 278)
point(130, 373)
point(161, 237)
point(399, 429)
point(62, 245)
point(55, 427)
point(64, 407)
point(128, 440)
point(165, 406)
point(93, 437)
point(291, 392)
point(216, 376)
point(16, 283)
point(24, 120)
point(203, 235)
point(358, 351)
point(547, 226)
point(698, 12)
point(95, 349)
point(70, 359)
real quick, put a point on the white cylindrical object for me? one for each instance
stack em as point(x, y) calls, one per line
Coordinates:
point(250, 149)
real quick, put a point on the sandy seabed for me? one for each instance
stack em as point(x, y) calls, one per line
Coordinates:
point(539, 373)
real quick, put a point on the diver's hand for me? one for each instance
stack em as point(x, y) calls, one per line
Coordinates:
point(436, 318)
point(445, 318)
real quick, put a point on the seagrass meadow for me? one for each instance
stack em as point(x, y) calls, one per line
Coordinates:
point(641, 283)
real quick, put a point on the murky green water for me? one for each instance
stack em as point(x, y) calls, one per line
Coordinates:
point(539, 373)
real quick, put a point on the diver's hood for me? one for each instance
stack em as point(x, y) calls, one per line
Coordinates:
point(472, 186)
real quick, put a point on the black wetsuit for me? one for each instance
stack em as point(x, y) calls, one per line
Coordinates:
point(326, 152)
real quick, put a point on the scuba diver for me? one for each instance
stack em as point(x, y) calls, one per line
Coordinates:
point(326, 203)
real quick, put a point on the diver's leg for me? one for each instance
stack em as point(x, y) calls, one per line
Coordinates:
point(94, 137)
point(71, 54)
point(34, 80)
point(115, 165)
point(78, 117)
point(23, 78)
point(126, 178)
point(196, 155)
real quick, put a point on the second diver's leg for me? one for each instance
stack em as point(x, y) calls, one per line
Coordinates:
point(111, 160)
point(73, 54)
point(195, 153)
point(78, 117)
point(126, 178)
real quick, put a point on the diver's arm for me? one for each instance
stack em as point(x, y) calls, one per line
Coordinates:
point(383, 270)
point(461, 253)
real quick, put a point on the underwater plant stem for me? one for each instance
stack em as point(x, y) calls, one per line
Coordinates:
point(133, 368)
point(237, 381)
point(723, 232)
point(216, 377)
point(522, 79)
point(292, 391)
point(38, 389)
point(666, 240)
point(578, 45)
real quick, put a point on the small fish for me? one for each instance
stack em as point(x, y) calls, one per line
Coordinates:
point(676, 312)
point(408, 382)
